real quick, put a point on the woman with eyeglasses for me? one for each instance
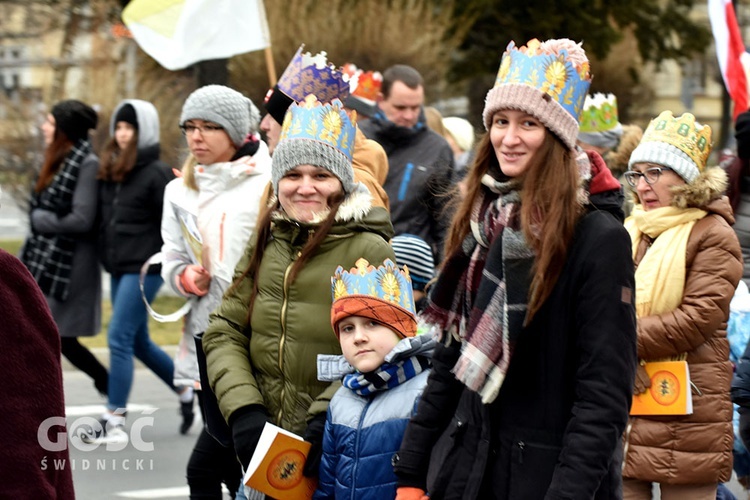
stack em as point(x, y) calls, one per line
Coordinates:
point(131, 191)
point(688, 263)
point(209, 215)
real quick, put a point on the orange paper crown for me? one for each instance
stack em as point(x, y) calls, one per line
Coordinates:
point(366, 84)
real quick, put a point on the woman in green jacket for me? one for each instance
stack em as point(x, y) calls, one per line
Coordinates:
point(262, 342)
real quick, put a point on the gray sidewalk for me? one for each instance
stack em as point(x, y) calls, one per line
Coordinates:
point(102, 354)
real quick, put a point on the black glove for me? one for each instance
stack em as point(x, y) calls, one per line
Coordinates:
point(247, 424)
point(314, 435)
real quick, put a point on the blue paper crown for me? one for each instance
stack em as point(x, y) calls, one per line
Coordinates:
point(308, 74)
point(327, 123)
point(554, 75)
point(386, 282)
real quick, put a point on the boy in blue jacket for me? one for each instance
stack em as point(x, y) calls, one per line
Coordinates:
point(384, 368)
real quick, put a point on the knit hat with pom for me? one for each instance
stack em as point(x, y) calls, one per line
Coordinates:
point(548, 80)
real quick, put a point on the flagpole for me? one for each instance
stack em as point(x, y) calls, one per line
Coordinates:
point(271, 68)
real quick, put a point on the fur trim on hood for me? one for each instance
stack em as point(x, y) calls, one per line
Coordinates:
point(355, 207)
point(709, 186)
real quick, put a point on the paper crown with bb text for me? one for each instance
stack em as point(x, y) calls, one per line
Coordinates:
point(682, 132)
point(558, 76)
point(326, 123)
point(365, 84)
point(599, 113)
point(387, 283)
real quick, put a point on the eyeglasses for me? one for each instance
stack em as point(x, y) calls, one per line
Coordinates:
point(650, 175)
point(207, 129)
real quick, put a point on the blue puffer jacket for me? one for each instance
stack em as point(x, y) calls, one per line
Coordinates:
point(363, 432)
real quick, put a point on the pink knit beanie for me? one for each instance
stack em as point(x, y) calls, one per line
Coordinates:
point(548, 80)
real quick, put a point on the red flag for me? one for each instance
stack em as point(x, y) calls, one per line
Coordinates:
point(730, 51)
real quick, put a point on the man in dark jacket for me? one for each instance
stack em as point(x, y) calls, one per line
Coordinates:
point(420, 162)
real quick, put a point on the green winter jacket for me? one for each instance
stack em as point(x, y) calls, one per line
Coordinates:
point(273, 360)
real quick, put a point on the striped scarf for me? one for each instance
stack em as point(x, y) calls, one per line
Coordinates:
point(480, 297)
point(387, 376)
point(49, 257)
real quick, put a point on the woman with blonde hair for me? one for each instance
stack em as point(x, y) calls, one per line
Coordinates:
point(688, 265)
point(532, 379)
point(209, 216)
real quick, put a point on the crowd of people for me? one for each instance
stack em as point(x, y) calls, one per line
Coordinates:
point(439, 315)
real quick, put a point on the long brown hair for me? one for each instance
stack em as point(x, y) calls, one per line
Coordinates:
point(549, 210)
point(117, 163)
point(263, 235)
point(53, 159)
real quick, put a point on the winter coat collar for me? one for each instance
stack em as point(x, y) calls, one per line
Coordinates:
point(221, 176)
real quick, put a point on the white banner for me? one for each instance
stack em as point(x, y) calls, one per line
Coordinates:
point(178, 33)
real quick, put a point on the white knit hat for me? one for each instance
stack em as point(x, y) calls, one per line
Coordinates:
point(461, 131)
point(681, 144)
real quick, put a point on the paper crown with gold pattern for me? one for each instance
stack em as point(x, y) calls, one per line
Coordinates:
point(365, 84)
point(382, 293)
point(548, 80)
point(306, 74)
point(681, 144)
point(319, 134)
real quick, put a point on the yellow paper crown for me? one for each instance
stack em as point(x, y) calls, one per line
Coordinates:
point(682, 132)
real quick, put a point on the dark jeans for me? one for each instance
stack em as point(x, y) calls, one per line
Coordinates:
point(210, 465)
point(82, 359)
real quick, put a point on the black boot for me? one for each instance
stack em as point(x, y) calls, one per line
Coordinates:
point(188, 416)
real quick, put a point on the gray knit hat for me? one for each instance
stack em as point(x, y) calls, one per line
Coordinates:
point(316, 134)
point(226, 107)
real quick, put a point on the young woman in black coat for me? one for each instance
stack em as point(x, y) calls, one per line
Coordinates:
point(532, 380)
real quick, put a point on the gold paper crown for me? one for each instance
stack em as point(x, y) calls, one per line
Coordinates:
point(327, 123)
point(682, 132)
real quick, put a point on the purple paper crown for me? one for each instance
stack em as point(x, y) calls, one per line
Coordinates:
point(308, 74)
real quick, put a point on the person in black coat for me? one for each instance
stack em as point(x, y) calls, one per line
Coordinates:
point(131, 194)
point(533, 376)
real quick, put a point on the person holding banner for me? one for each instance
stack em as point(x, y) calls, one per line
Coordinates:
point(209, 215)
point(688, 263)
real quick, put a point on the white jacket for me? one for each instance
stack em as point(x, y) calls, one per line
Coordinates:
point(222, 214)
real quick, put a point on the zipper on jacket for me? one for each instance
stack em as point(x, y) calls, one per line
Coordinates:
point(356, 447)
point(521, 446)
point(405, 180)
point(221, 237)
point(282, 340)
point(627, 443)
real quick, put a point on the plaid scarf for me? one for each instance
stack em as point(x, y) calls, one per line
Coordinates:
point(49, 257)
point(481, 294)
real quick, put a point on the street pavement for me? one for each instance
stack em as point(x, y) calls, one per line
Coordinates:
point(152, 464)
